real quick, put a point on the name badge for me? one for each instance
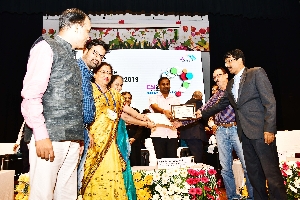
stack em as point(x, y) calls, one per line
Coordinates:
point(111, 114)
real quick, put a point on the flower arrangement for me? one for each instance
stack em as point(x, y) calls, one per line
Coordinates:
point(203, 184)
point(166, 184)
point(291, 175)
point(176, 184)
point(23, 187)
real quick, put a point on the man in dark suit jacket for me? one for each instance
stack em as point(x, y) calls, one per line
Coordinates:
point(194, 134)
point(251, 95)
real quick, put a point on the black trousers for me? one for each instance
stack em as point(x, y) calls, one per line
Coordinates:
point(135, 155)
point(196, 148)
point(262, 164)
point(25, 155)
point(165, 147)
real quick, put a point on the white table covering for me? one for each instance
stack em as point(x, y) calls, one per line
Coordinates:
point(7, 184)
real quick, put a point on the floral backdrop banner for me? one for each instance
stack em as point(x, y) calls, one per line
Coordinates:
point(192, 32)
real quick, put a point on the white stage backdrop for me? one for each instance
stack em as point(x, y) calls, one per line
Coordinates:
point(141, 69)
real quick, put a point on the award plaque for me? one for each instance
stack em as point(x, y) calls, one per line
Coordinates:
point(183, 111)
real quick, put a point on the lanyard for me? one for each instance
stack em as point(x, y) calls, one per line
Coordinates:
point(106, 96)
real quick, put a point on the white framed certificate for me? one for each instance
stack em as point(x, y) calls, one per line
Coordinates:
point(183, 111)
point(158, 118)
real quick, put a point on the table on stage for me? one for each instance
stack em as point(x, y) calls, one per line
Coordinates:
point(7, 184)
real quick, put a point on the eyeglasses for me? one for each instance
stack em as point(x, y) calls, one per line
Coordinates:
point(229, 60)
point(98, 54)
point(217, 76)
point(105, 72)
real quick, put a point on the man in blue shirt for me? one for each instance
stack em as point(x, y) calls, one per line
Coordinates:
point(92, 56)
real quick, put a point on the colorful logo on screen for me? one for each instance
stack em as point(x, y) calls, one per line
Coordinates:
point(184, 75)
point(187, 58)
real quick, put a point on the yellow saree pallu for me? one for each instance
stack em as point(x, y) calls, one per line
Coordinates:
point(103, 178)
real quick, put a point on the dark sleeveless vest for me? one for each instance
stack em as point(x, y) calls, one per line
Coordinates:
point(62, 101)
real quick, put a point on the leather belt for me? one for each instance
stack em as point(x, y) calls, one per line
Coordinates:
point(227, 125)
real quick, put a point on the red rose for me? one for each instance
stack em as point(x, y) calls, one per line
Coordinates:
point(43, 31)
point(185, 28)
point(207, 29)
point(121, 21)
point(51, 31)
point(202, 31)
point(178, 22)
point(193, 29)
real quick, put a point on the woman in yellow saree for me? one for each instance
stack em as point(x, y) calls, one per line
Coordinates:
point(103, 178)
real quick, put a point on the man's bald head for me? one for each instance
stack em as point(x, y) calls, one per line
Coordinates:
point(197, 95)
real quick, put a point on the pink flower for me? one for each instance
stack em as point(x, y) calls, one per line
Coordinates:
point(196, 180)
point(193, 172)
point(285, 166)
point(180, 48)
point(219, 182)
point(201, 172)
point(204, 179)
point(298, 164)
point(190, 181)
point(210, 196)
point(217, 190)
point(212, 172)
point(198, 191)
point(207, 188)
point(192, 191)
point(154, 41)
point(283, 173)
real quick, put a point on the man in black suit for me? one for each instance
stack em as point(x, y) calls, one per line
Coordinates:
point(251, 95)
point(194, 134)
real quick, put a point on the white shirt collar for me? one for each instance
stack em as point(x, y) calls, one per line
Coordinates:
point(238, 75)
